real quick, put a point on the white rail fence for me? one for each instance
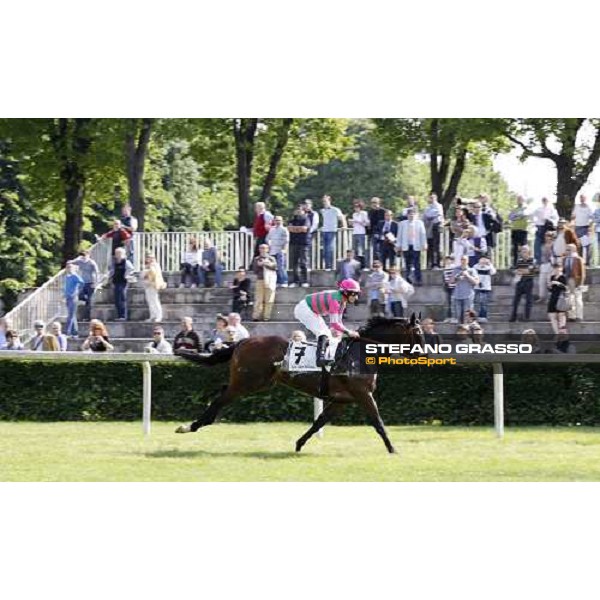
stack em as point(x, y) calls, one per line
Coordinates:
point(236, 248)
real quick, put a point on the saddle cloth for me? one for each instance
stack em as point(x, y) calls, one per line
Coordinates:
point(301, 357)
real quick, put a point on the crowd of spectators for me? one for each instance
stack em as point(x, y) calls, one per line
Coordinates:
point(385, 257)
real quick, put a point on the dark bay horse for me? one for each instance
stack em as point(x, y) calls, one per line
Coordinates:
point(254, 368)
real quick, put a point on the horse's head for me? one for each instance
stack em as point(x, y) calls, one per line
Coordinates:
point(394, 330)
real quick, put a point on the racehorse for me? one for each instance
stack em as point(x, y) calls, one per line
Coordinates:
point(255, 366)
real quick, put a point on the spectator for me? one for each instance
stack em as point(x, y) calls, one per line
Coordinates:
point(583, 215)
point(557, 303)
point(50, 343)
point(377, 286)
point(547, 258)
point(331, 216)
point(88, 270)
point(71, 290)
point(360, 224)
point(563, 344)
point(118, 234)
point(313, 225)
point(38, 339)
point(430, 335)
point(411, 241)
point(238, 331)
point(56, 331)
point(210, 263)
point(471, 319)
point(529, 336)
point(462, 334)
point(221, 335)
point(494, 220)
point(411, 202)
point(465, 279)
point(349, 268)
point(483, 290)
point(130, 224)
point(298, 336)
point(4, 327)
point(299, 228)
point(241, 292)
point(545, 218)
point(265, 268)
point(190, 263)
point(153, 284)
point(261, 225)
point(574, 270)
point(485, 222)
point(97, 340)
point(564, 235)
point(596, 220)
point(449, 286)
point(13, 342)
point(526, 270)
point(433, 218)
point(278, 239)
point(476, 333)
point(398, 291)
point(386, 237)
point(461, 244)
point(375, 215)
point(476, 245)
point(120, 274)
point(460, 221)
point(159, 345)
point(187, 338)
point(519, 221)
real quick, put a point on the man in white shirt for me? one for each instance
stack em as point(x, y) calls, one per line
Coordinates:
point(433, 217)
point(331, 215)
point(313, 220)
point(237, 330)
point(542, 218)
point(583, 215)
point(410, 242)
point(278, 239)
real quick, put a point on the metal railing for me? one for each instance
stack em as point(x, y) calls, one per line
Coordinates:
point(47, 303)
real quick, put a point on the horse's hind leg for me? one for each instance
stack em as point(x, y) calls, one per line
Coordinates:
point(372, 411)
point(328, 413)
point(211, 413)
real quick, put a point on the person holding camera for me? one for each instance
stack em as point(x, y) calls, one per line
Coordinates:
point(97, 340)
point(265, 267)
point(465, 279)
point(526, 271)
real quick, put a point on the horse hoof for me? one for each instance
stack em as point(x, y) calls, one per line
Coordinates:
point(183, 429)
point(298, 447)
point(392, 450)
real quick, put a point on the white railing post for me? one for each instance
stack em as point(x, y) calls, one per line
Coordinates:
point(499, 400)
point(147, 398)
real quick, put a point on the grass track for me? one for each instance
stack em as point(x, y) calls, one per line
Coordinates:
point(264, 452)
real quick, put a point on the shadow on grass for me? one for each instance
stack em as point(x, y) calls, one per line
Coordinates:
point(174, 453)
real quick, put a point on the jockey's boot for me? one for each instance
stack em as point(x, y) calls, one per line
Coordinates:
point(322, 343)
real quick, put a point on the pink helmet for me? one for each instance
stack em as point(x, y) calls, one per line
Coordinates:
point(349, 285)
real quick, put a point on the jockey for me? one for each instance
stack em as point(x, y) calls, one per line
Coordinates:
point(311, 310)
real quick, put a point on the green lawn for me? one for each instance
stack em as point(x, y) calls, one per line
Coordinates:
point(264, 452)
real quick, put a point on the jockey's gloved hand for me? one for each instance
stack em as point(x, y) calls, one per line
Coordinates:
point(352, 334)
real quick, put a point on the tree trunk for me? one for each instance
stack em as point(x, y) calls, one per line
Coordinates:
point(282, 140)
point(567, 187)
point(244, 132)
point(71, 140)
point(452, 189)
point(136, 151)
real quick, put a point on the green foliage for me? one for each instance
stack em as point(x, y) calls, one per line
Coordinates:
point(460, 395)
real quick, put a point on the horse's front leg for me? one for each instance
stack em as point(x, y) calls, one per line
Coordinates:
point(370, 406)
point(330, 409)
point(210, 414)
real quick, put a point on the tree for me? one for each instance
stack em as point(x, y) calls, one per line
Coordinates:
point(137, 139)
point(448, 144)
point(573, 145)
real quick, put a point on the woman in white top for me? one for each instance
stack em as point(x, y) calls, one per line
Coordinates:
point(360, 222)
point(190, 263)
point(153, 283)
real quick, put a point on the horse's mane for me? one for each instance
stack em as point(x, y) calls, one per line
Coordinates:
point(379, 321)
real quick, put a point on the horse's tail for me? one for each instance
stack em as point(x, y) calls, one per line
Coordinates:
point(216, 358)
